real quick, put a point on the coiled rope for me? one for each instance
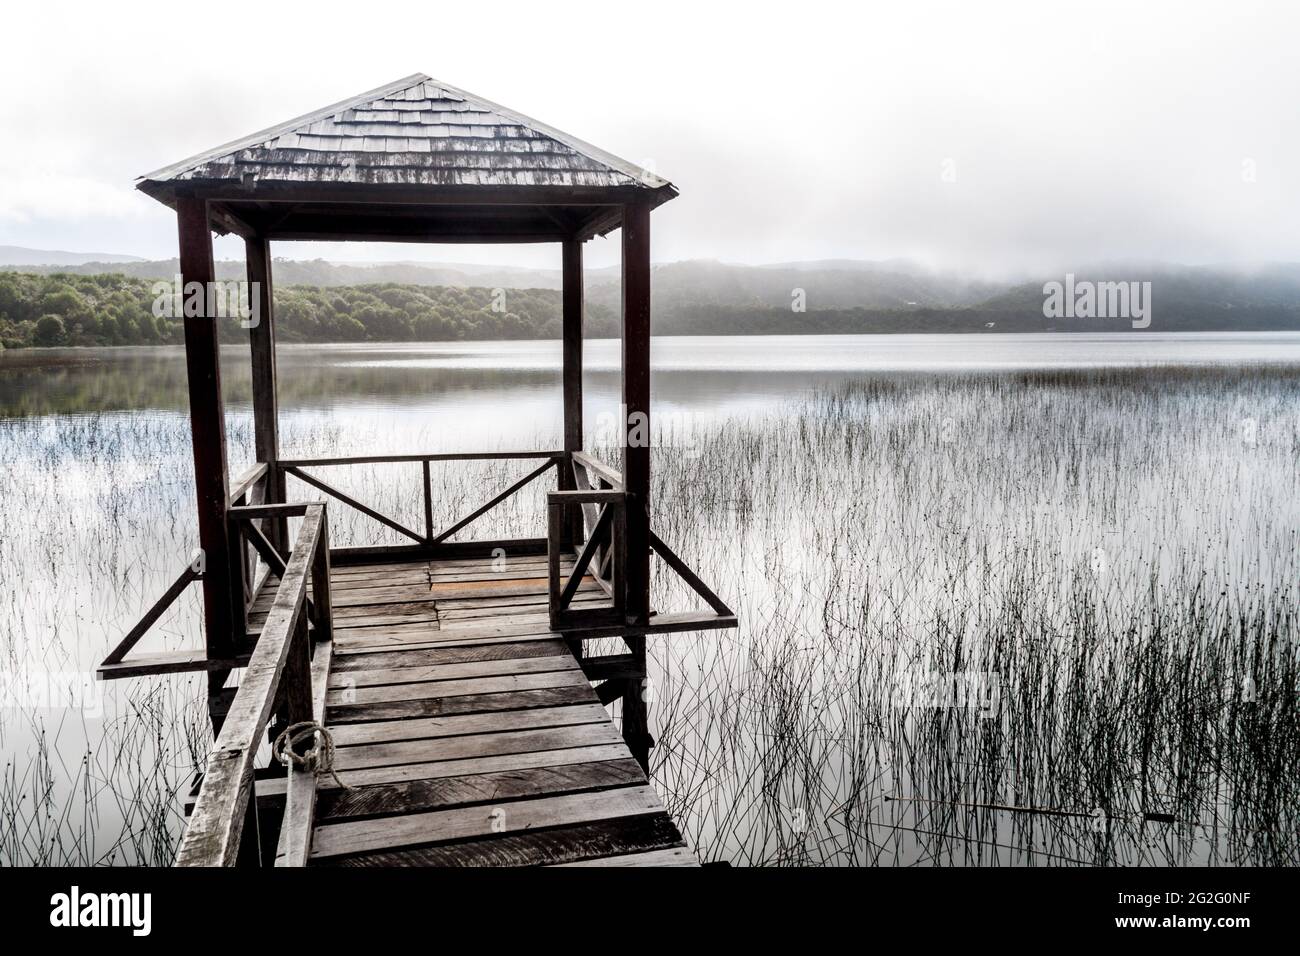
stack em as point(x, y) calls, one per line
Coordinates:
point(317, 759)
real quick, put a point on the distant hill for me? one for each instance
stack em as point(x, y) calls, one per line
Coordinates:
point(323, 274)
point(321, 301)
point(827, 285)
point(21, 256)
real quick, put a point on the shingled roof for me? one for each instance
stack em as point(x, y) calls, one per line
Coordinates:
point(418, 135)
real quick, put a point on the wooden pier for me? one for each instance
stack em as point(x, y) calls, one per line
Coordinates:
point(462, 723)
point(432, 702)
point(469, 731)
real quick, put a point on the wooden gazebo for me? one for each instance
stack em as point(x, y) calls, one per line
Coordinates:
point(419, 161)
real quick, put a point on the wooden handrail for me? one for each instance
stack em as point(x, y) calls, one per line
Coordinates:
point(437, 456)
point(612, 519)
point(117, 654)
point(428, 539)
point(245, 482)
point(352, 502)
point(484, 509)
point(216, 826)
point(689, 576)
point(598, 467)
point(612, 476)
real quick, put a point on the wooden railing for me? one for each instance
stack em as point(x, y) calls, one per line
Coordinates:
point(603, 553)
point(250, 487)
point(285, 678)
point(603, 556)
point(429, 538)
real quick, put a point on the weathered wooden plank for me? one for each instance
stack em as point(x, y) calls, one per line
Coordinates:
point(472, 589)
point(383, 731)
point(455, 688)
point(400, 634)
point(378, 567)
point(438, 826)
point(169, 662)
point(435, 639)
point(534, 848)
point(468, 704)
point(398, 594)
point(479, 628)
point(534, 609)
point(478, 745)
point(414, 796)
point(448, 655)
point(422, 606)
point(398, 629)
point(504, 601)
point(487, 563)
point(389, 579)
point(471, 766)
point(487, 575)
point(367, 615)
point(436, 672)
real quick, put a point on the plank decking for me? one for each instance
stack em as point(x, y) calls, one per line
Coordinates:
point(467, 732)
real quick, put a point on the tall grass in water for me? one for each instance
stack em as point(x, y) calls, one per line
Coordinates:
point(1115, 550)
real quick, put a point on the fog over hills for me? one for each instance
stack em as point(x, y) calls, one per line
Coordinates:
point(22, 256)
point(840, 295)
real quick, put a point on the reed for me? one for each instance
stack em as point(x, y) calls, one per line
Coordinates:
point(1114, 552)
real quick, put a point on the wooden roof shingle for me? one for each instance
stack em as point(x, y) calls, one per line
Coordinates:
point(415, 132)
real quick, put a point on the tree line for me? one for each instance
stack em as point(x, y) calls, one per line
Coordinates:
point(112, 309)
point(62, 309)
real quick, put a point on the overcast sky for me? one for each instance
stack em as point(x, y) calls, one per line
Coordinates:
point(990, 137)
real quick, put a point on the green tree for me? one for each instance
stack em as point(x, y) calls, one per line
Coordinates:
point(49, 331)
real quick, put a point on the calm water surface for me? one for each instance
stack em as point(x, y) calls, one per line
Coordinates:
point(94, 445)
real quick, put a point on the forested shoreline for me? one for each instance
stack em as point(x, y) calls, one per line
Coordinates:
point(110, 309)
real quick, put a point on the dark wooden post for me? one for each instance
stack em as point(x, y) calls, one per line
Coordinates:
point(572, 375)
point(636, 407)
point(570, 527)
point(636, 462)
point(223, 599)
point(266, 407)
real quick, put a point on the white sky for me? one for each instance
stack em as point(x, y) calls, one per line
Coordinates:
point(1078, 132)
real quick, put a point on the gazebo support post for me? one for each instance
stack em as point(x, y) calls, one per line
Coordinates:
point(572, 307)
point(636, 464)
point(223, 597)
point(572, 310)
point(266, 408)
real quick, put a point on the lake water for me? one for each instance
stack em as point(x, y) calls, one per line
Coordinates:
point(508, 391)
point(98, 510)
